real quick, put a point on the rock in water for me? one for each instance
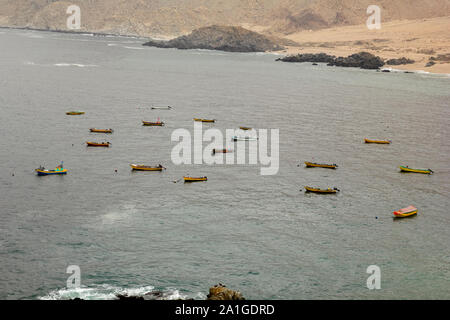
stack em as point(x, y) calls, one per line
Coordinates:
point(363, 60)
point(220, 292)
point(224, 38)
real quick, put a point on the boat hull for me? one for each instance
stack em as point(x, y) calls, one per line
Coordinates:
point(317, 165)
point(50, 172)
point(94, 144)
point(74, 113)
point(101, 130)
point(145, 168)
point(377, 141)
point(190, 179)
point(406, 212)
point(423, 171)
point(204, 120)
point(152, 124)
point(321, 191)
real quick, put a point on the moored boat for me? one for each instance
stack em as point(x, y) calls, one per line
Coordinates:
point(405, 212)
point(236, 138)
point(101, 130)
point(74, 113)
point(324, 191)
point(41, 171)
point(162, 108)
point(214, 151)
point(245, 128)
point(98, 144)
point(138, 167)
point(155, 124)
point(204, 120)
point(408, 169)
point(377, 141)
point(318, 165)
point(195, 179)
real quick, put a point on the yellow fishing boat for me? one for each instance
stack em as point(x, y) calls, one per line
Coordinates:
point(405, 212)
point(74, 113)
point(318, 165)
point(245, 128)
point(192, 179)
point(138, 167)
point(204, 120)
point(377, 141)
point(101, 130)
point(324, 191)
point(407, 169)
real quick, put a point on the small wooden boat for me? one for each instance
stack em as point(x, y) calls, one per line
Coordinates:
point(192, 179)
point(101, 130)
point(236, 138)
point(407, 169)
point(405, 212)
point(377, 141)
point(162, 108)
point(41, 171)
point(214, 151)
point(318, 165)
point(245, 128)
point(138, 167)
point(155, 124)
point(204, 120)
point(74, 113)
point(98, 144)
point(324, 191)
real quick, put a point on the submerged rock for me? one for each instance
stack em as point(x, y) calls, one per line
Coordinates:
point(363, 60)
point(221, 292)
point(224, 38)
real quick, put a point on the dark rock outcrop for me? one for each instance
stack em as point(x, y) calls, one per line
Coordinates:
point(363, 60)
point(221, 292)
point(400, 61)
point(224, 38)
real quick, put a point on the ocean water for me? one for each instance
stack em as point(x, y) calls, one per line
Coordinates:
point(262, 235)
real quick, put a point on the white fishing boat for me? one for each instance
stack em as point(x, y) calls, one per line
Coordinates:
point(162, 108)
point(245, 138)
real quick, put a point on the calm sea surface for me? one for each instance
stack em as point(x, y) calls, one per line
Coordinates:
point(262, 235)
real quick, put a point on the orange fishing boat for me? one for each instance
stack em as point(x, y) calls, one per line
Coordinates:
point(193, 179)
point(101, 130)
point(377, 141)
point(98, 144)
point(214, 151)
point(138, 167)
point(154, 124)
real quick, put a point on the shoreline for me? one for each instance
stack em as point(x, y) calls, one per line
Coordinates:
point(442, 69)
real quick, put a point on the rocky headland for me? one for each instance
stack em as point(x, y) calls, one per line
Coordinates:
point(224, 38)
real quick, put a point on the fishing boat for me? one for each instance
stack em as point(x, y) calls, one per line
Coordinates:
point(377, 141)
point(324, 191)
point(405, 212)
point(74, 113)
point(214, 151)
point(204, 120)
point(236, 138)
point(162, 108)
point(41, 171)
point(408, 169)
point(318, 165)
point(155, 124)
point(101, 130)
point(138, 167)
point(193, 179)
point(245, 128)
point(98, 144)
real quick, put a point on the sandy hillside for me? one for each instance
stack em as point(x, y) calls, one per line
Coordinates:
point(414, 39)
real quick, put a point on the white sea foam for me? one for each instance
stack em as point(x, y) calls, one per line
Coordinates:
point(108, 292)
point(79, 65)
point(134, 48)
